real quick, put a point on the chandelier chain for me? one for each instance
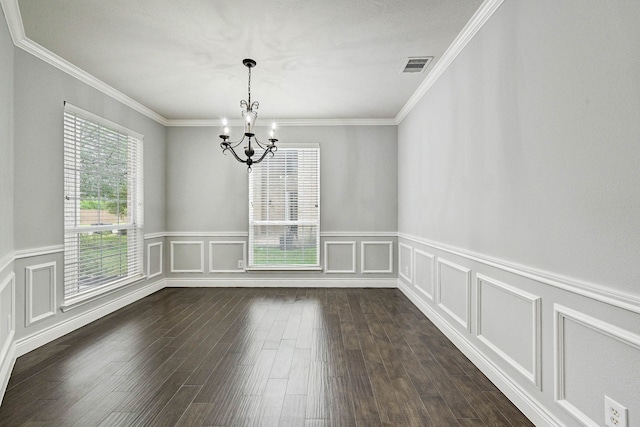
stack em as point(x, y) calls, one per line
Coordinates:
point(249, 86)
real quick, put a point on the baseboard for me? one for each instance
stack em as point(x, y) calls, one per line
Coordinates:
point(8, 360)
point(31, 342)
point(281, 283)
point(529, 406)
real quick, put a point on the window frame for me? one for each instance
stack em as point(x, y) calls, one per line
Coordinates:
point(252, 222)
point(73, 230)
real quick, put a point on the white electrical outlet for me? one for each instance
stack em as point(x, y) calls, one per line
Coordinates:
point(240, 264)
point(406, 270)
point(615, 415)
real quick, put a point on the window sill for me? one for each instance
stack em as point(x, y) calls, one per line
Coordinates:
point(283, 268)
point(94, 294)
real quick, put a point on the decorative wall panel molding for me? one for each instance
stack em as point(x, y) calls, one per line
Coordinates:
point(40, 338)
point(7, 313)
point(227, 269)
point(40, 292)
point(7, 330)
point(175, 248)
point(365, 254)
point(154, 251)
point(525, 401)
point(596, 292)
point(347, 250)
point(514, 324)
point(454, 297)
point(405, 262)
point(561, 315)
point(424, 275)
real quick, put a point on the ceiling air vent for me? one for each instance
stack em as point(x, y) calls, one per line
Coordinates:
point(416, 64)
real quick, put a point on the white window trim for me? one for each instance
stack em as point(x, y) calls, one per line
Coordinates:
point(92, 294)
point(318, 266)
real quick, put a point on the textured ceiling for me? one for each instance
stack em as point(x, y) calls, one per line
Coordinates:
point(317, 59)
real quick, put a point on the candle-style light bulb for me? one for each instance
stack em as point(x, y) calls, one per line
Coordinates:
point(225, 129)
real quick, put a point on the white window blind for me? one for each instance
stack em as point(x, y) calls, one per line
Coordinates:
point(284, 209)
point(103, 202)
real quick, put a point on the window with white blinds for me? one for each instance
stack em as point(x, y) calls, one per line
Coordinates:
point(103, 236)
point(284, 209)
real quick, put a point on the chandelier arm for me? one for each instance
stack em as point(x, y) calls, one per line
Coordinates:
point(234, 154)
point(232, 144)
point(264, 154)
point(261, 144)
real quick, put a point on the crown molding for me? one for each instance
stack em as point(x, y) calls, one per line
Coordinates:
point(286, 122)
point(14, 19)
point(477, 21)
point(16, 29)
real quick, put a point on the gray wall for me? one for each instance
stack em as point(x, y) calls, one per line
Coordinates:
point(7, 284)
point(6, 140)
point(42, 91)
point(519, 205)
point(208, 192)
point(527, 149)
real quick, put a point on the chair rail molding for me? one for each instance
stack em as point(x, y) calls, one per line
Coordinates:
point(593, 291)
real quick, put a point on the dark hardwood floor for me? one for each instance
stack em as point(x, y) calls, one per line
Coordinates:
point(256, 357)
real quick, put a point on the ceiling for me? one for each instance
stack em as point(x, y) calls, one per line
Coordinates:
point(317, 59)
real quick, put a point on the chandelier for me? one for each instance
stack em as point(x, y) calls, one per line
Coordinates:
point(249, 116)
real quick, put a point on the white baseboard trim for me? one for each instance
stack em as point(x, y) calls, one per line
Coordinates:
point(8, 360)
point(31, 342)
point(533, 409)
point(281, 283)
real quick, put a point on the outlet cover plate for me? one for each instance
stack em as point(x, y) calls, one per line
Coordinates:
point(615, 415)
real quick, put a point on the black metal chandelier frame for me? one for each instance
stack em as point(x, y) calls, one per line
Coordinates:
point(249, 114)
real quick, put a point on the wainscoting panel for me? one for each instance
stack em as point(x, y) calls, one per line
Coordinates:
point(187, 257)
point(509, 323)
point(424, 273)
point(453, 294)
point(405, 262)
point(155, 255)
point(40, 292)
point(340, 256)
point(555, 346)
point(7, 329)
point(7, 313)
point(376, 257)
point(587, 352)
point(224, 256)
point(343, 255)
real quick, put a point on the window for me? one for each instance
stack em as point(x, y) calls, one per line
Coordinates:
point(284, 210)
point(103, 241)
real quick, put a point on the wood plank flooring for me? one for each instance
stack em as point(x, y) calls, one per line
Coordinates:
point(256, 357)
